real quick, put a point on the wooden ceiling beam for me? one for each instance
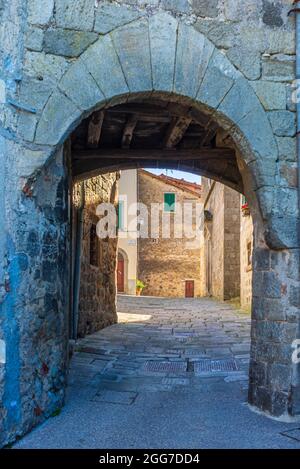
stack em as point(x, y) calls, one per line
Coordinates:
point(141, 116)
point(129, 130)
point(176, 131)
point(157, 154)
point(228, 175)
point(94, 129)
point(210, 133)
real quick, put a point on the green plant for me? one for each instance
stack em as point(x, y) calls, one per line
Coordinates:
point(56, 413)
point(140, 285)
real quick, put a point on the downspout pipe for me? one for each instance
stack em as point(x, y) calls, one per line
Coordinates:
point(77, 261)
point(296, 372)
point(296, 12)
point(295, 398)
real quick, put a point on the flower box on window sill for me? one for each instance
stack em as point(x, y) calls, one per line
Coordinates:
point(245, 210)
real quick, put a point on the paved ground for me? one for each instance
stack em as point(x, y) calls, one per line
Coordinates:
point(143, 383)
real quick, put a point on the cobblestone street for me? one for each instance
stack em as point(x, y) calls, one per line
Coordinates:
point(172, 374)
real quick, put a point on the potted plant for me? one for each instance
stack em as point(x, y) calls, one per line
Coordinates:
point(245, 210)
point(139, 287)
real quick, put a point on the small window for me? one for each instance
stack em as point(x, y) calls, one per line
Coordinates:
point(94, 247)
point(249, 254)
point(169, 202)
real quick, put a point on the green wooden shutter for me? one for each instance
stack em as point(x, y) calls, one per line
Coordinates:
point(169, 202)
point(120, 215)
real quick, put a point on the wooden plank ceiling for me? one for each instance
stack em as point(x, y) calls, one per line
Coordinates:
point(149, 134)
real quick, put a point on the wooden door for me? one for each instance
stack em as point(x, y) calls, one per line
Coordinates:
point(120, 275)
point(189, 289)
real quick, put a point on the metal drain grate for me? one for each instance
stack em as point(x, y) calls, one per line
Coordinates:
point(215, 366)
point(165, 367)
point(293, 434)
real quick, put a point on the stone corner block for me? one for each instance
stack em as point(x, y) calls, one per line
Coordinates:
point(40, 11)
point(75, 15)
point(67, 43)
point(132, 45)
point(101, 60)
point(283, 123)
point(272, 95)
point(28, 161)
point(59, 117)
point(79, 85)
point(2, 91)
point(111, 16)
point(247, 60)
point(34, 39)
point(218, 80)
point(239, 101)
point(191, 67)
point(163, 40)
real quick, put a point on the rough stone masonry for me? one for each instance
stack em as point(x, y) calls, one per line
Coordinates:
point(233, 59)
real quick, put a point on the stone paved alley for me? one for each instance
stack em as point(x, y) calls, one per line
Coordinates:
point(149, 382)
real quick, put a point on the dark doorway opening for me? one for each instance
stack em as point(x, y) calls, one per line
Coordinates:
point(189, 288)
point(120, 274)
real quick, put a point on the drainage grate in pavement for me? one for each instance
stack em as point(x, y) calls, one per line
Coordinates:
point(214, 366)
point(293, 434)
point(164, 367)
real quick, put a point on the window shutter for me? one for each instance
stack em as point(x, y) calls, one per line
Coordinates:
point(169, 202)
point(120, 215)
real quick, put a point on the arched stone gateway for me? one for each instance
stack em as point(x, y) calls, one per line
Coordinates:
point(157, 59)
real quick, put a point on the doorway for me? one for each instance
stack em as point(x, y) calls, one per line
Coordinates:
point(121, 274)
point(189, 288)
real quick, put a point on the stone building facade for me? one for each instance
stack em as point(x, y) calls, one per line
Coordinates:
point(97, 295)
point(237, 77)
point(168, 266)
point(227, 245)
point(221, 264)
point(246, 254)
point(127, 242)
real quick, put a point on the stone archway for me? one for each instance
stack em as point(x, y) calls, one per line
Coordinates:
point(163, 58)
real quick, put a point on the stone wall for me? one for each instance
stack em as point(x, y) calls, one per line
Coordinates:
point(246, 84)
point(128, 231)
point(246, 259)
point(232, 212)
point(165, 264)
point(214, 241)
point(222, 239)
point(34, 310)
point(97, 299)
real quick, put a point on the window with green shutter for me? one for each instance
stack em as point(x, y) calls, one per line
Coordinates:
point(169, 202)
point(120, 215)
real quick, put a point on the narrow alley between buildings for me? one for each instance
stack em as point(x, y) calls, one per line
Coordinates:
point(173, 373)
